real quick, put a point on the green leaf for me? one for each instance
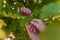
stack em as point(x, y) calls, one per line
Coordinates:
point(52, 32)
point(20, 32)
point(50, 9)
point(36, 12)
point(7, 20)
point(11, 27)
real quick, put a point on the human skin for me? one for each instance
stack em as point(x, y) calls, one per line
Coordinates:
point(34, 27)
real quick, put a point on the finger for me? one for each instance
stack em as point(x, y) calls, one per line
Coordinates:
point(32, 35)
point(39, 24)
point(35, 24)
point(31, 28)
point(37, 21)
point(35, 30)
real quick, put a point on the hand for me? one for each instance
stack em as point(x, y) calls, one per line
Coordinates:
point(38, 24)
point(34, 27)
point(31, 35)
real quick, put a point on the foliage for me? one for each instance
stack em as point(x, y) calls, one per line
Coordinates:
point(16, 21)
